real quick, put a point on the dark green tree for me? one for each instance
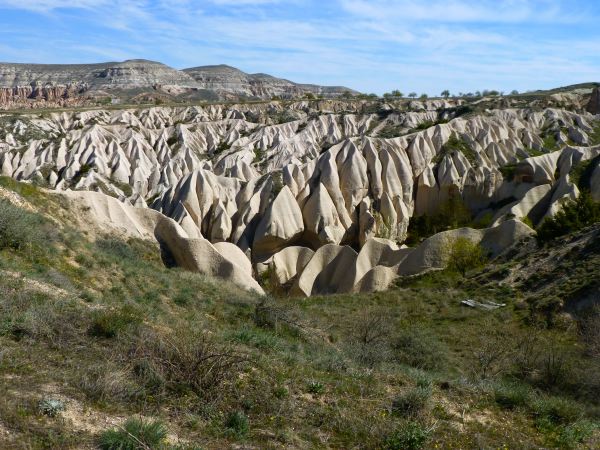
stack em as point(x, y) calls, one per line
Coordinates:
point(574, 216)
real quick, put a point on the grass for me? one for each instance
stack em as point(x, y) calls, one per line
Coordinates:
point(410, 436)
point(237, 424)
point(126, 337)
point(456, 144)
point(550, 143)
point(412, 402)
point(135, 434)
point(19, 228)
point(512, 396)
point(390, 131)
point(594, 135)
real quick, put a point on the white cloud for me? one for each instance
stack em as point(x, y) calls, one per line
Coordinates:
point(49, 5)
point(463, 11)
point(374, 45)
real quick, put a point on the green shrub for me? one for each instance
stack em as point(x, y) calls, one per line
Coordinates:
point(553, 411)
point(115, 249)
point(464, 255)
point(581, 173)
point(411, 402)
point(571, 436)
point(391, 131)
point(550, 143)
point(315, 387)
point(237, 424)
point(108, 324)
point(20, 229)
point(424, 125)
point(184, 362)
point(451, 214)
point(136, 434)
point(50, 407)
point(456, 144)
point(574, 216)
point(410, 436)
point(418, 347)
point(512, 396)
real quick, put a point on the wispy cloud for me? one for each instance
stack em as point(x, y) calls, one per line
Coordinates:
point(49, 5)
point(463, 11)
point(373, 45)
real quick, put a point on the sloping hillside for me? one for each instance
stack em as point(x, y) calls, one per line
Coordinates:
point(97, 336)
point(289, 190)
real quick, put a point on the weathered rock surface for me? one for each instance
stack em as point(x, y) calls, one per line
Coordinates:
point(191, 252)
point(312, 190)
point(593, 106)
point(73, 84)
point(229, 80)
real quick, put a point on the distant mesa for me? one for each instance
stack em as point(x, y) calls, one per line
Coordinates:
point(72, 84)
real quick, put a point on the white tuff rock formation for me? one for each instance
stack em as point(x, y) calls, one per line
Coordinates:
point(321, 193)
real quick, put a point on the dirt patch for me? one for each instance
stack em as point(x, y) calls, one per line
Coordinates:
point(35, 285)
point(80, 416)
point(15, 199)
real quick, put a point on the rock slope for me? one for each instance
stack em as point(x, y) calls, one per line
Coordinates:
point(72, 84)
point(229, 80)
point(316, 194)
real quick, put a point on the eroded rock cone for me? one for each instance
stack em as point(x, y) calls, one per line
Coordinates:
point(594, 104)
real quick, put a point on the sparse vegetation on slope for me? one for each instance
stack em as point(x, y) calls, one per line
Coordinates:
point(184, 361)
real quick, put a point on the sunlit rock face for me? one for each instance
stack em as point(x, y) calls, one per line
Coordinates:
point(57, 85)
point(317, 194)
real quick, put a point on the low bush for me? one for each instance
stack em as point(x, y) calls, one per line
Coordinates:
point(315, 387)
point(108, 382)
point(237, 424)
point(581, 173)
point(456, 144)
point(553, 411)
point(512, 396)
point(570, 436)
point(115, 249)
point(411, 402)
point(574, 216)
point(108, 324)
point(494, 351)
point(20, 229)
point(184, 362)
point(419, 348)
point(410, 436)
point(464, 255)
point(369, 340)
point(30, 315)
point(451, 214)
point(50, 407)
point(135, 434)
point(556, 365)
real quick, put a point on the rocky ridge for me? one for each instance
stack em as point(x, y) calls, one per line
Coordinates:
point(77, 84)
point(316, 195)
point(229, 80)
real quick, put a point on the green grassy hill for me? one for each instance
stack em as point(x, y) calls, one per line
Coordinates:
point(102, 346)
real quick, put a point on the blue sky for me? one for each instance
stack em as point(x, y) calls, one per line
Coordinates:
point(369, 45)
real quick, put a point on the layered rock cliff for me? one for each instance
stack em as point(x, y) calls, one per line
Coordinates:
point(69, 84)
point(226, 79)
